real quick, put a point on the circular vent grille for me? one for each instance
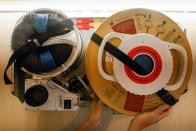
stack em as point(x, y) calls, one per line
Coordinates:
point(36, 95)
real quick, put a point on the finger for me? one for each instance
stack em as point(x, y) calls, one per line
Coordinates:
point(164, 114)
point(162, 108)
point(100, 103)
point(95, 98)
point(97, 107)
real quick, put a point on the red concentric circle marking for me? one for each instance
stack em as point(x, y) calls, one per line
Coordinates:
point(157, 65)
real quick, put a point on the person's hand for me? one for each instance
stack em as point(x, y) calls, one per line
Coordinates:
point(148, 118)
point(96, 112)
point(95, 116)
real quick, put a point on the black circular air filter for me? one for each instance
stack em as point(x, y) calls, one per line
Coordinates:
point(37, 95)
point(146, 62)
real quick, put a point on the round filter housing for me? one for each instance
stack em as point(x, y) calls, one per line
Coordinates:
point(136, 22)
point(58, 53)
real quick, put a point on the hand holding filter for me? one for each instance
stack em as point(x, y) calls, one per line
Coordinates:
point(138, 59)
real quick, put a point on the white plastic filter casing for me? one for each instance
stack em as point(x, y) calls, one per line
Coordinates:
point(129, 42)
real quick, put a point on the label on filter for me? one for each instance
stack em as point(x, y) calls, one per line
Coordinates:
point(127, 26)
point(134, 102)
